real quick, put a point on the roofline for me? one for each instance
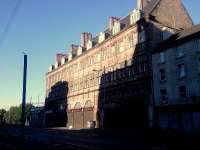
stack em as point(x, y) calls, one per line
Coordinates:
point(176, 42)
point(96, 46)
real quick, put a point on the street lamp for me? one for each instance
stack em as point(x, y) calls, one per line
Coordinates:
point(104, 99)
point(24, 97)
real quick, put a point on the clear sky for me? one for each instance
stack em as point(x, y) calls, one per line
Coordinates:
point(44, 27)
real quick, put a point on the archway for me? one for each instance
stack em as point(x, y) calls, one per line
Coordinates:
point(88, 113)
point(78, 116)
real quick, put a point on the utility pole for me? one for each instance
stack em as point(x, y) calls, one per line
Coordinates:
point(23, 99)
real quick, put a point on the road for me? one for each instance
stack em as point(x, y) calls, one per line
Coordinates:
point(62, 139)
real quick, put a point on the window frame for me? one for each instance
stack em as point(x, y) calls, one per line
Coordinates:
point(180, 71)
point(162, 74)
point(180, 51)
point(198, 65)
point(162, 57)
point(163, 96)
point(198, 45)
point(182, 94)
point(130, 41)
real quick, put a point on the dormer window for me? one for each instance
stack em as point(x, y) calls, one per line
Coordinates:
point(116, 28)
point(89, 44)
point(80, 50)
point(70, 56)
point(56, 65)
point(63, 61)
point(102, 37)
point(50, 68)
point(135, 16)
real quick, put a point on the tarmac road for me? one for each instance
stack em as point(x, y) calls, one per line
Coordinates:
point(62, 139)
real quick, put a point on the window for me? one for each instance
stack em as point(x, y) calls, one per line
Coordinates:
point(166, 34)
point(199, 65)
point(162, 74)
point(181, 71)
point(182, 92)
point(77, 105)
point(116, 28)
point(129, 62)
point(102, 37)
point(141, 37)
point(162, 57)
point(117, 47)
point(180, 52)
point(163, 95)
point(130, 41)
point(135, 16)
point(89, 44)
point(198, 45)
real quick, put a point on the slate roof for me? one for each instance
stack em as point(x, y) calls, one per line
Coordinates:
point(179, 38)
point(125, 23)
point(151, 5)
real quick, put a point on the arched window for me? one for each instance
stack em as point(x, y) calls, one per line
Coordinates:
point(77, 105)
point(88, 104)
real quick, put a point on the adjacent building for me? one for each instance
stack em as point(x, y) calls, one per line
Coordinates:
point(37, 117)
point(176, 81)
point(107, 80)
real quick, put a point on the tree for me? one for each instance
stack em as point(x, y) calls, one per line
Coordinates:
point(2, 117)
point(2, 112)
point(13, 115)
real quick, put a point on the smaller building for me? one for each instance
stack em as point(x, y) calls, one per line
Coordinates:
point(176, 81)
point(37, 118)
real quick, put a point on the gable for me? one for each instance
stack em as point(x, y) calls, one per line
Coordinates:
point(171, 13)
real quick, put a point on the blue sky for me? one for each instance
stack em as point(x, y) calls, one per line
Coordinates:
point(44, 27)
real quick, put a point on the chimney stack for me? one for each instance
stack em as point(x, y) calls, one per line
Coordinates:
point(142, 4)
point(85, 37)
point(74, 50)
point(59, 57)
point(112, 21)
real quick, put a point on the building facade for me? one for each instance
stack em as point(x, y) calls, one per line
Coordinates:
point(107, 80)
point(176, 78)
point(37, 117)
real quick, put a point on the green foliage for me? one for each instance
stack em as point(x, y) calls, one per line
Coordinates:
point(13, 115)
point(2, 112)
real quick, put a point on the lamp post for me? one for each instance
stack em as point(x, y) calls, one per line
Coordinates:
point(23, 98)
point(104, 97)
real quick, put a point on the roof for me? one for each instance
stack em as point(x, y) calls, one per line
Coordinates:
point(179, 38)
point(125, 23)
point(126, 20)
point(151, 5)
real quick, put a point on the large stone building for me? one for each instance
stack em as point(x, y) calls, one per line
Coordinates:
point(108, 78)
point(176, 78)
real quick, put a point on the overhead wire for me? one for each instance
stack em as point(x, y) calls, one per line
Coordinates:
point(10, 21)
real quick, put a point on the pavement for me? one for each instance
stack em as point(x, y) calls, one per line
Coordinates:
point(96, 139)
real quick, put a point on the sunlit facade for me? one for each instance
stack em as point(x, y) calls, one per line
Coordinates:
point(106, 81)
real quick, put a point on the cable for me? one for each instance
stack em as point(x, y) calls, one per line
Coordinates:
point(10, 21)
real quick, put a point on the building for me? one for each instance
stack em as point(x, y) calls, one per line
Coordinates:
point(37, 117)
point(176, 81)
point(107, 79)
